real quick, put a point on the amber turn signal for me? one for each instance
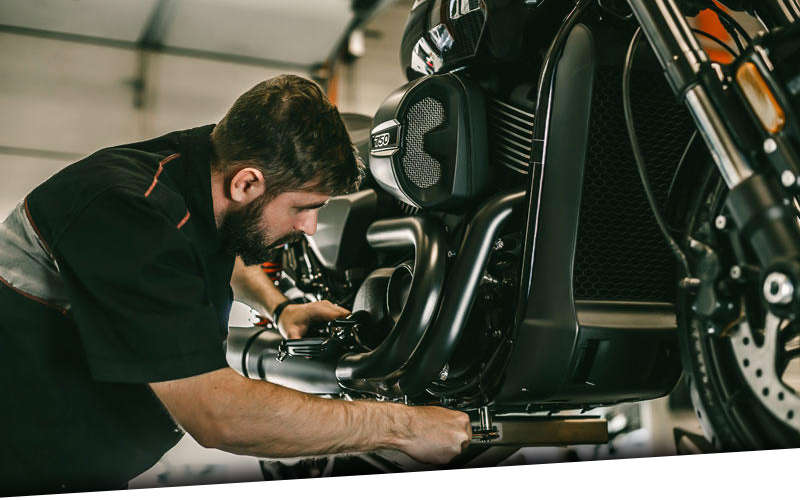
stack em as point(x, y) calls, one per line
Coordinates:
point(760, 97)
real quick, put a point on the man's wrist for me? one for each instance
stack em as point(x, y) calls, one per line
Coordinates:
point(276, 313)
point(397, 425)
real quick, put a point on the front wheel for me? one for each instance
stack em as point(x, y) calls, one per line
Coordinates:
point(742, 364)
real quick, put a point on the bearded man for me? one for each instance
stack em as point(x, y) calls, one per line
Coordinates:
point(116, 280)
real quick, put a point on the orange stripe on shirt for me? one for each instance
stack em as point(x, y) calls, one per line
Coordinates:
point(158, 172)
point(183, 221)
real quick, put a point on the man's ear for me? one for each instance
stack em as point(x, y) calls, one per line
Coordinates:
point(246, 185)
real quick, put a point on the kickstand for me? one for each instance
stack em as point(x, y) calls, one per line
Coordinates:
point(689, 443)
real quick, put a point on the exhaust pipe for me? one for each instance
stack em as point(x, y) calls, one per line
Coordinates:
point(256, 353)
point(368, 371)
point(463, 280)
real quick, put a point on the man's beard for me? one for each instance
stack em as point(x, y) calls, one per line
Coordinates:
point(242, 236)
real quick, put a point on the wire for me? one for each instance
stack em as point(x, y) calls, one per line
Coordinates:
point(717, 41)
point(637, 153)
point(731, 25)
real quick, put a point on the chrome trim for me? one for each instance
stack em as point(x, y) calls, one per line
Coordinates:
point(729, 159)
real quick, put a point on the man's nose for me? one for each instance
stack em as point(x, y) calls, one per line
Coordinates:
point(307, 222)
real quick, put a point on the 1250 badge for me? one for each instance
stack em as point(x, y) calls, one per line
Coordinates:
point(384, 140)
point(380, 140)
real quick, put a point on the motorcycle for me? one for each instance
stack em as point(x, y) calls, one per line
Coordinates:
point(568, 206)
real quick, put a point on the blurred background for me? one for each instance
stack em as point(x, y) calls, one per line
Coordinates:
point(78, 75)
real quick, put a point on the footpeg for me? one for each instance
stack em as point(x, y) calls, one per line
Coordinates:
point(542, 431)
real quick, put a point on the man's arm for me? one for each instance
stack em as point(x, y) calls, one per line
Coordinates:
point(253, 287)
point(224, 410)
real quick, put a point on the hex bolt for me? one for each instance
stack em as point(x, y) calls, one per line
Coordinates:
point(444, 373)
point(778, 289)
point(485, 418)
point(720, 222)
point(736, 272)
point(788, 179)
point(770, 146)
point(498, 245)
point(690, 283)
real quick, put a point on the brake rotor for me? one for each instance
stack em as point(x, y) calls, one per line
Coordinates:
point(770, 369)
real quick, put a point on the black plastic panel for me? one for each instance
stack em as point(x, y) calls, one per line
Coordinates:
point(621, 343)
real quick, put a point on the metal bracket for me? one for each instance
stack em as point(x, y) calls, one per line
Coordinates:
point(543, 431)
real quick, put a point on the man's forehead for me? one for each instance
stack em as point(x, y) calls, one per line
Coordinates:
point(305, 197)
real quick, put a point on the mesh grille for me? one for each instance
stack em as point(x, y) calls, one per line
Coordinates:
point(510, 135)
point(620, 253)
point(420, 168)
point(466, 34)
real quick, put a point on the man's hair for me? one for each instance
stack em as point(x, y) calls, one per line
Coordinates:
point(290, 131)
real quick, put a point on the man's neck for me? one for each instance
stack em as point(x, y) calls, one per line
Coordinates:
point(219, 199)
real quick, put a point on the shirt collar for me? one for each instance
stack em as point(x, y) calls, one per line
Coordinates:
point(198, 186)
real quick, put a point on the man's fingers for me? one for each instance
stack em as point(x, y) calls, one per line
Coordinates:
point(326, 311)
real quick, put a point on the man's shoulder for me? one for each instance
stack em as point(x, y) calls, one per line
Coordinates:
point(134, 173)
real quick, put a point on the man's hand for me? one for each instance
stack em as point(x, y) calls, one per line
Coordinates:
point(295, 318)
point(436, 434)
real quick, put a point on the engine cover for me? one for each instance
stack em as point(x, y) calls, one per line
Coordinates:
point(428, 145)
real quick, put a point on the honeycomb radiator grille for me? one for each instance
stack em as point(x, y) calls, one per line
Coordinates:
point(620, 252)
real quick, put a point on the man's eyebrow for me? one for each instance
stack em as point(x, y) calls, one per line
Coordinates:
point(313, 206)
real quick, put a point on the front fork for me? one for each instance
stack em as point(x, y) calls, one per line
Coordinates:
point(746, 119)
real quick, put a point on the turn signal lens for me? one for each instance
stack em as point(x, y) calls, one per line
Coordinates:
point(760, 97)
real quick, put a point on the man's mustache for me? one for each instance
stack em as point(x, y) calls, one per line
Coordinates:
point(288, 239)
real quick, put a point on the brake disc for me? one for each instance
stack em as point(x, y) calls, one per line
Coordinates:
point(759, 365)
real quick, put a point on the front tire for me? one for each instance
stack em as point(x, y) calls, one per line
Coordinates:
point(733, 416)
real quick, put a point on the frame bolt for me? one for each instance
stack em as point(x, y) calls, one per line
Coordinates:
point(770, 146)
point(736, 272)
point(778, 289)
point(788, 178)
point(690, 283)
point(444, 373)
point(720, 222)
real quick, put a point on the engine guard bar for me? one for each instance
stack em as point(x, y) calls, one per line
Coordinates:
point(368, 371)
point(462, 284)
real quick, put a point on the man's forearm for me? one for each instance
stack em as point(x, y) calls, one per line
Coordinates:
point(221, 409)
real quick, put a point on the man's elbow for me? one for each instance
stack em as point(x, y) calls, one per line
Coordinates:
point(208, 437)
point(208, 407)
point(220, 432)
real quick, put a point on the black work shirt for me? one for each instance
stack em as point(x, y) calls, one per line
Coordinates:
point(140, 293)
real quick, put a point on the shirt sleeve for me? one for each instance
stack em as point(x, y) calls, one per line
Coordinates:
point(138, 292)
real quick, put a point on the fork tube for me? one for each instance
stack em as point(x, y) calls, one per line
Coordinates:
point(683, 60)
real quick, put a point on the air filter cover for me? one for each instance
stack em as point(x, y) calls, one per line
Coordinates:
point(428, 143)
